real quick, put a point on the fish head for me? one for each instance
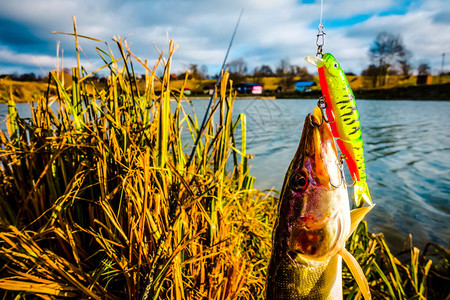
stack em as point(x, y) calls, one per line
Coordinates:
point(316, 214)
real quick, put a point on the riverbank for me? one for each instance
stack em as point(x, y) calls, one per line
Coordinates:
point(418, 92)
point(30, 91)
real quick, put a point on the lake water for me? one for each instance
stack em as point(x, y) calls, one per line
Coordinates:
point(407, 149)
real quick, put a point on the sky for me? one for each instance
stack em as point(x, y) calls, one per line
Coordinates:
point(269, 31)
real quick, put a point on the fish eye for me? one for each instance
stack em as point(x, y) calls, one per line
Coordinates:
point(335, 64)
point(298, 181)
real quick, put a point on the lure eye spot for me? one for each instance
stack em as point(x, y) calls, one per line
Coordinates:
point(298, 181)
point(335, 65)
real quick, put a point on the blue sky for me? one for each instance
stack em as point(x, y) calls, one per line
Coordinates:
point(269, 31)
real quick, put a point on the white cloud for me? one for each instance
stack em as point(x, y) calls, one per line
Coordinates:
point(27, 59)
point(269, 30)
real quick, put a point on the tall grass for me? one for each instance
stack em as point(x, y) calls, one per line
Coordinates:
point(96, 199)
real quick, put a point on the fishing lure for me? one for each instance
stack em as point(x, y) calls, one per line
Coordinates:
point(340, 106)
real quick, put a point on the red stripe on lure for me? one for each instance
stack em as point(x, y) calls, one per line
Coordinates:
point(346, 127)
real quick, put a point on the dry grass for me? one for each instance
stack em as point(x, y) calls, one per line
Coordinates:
point(96, 200)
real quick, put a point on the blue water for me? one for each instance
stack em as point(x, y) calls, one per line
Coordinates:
point(407, 149)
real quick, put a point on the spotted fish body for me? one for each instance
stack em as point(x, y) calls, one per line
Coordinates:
point(313, 224)
point(346, 127)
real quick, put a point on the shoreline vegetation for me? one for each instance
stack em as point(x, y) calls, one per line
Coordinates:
point(97, 199)
point(408, 89)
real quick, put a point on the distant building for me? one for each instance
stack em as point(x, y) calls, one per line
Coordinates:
point(304, 86)
point(424, 79)
point(208, 90)
point(249, 88)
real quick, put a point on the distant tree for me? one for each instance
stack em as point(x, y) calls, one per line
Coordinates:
point(204, 71)
point(405, 67)
point(423, 69)
point(95, 77)
point(237, 66)
point(286, 74)
point(237, 69)
point(194, 72)
point(237, 77)
point(387, 52)
point(27, 77)
point(371, 71)
point(283, 68)
point(301, 72)
point(263, 71)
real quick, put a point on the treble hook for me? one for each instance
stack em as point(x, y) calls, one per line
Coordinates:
point(341, 161)
point(322, 104)
point(342, 180)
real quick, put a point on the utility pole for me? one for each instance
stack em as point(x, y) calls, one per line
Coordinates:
point(442, 68)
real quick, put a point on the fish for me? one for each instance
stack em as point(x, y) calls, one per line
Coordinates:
point(343, 114)
point(314, 221)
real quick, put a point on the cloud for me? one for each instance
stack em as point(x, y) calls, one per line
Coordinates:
point(442, 17)
point(269, 30)
point(27, 59)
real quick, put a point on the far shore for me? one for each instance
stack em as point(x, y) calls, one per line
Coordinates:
point(31, 91)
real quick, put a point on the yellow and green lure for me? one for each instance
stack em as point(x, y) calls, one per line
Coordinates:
point(346, 127)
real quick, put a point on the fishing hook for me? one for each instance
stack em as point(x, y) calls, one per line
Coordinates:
point(342, 157)
point(322, 104)
point(342, 180)
point(314, 124)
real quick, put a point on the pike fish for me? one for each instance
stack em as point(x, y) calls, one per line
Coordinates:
point(346, 127)
point(313, 224)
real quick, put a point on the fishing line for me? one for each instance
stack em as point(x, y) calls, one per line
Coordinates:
point(200, 131)
point(321, 11)
point(320, 40)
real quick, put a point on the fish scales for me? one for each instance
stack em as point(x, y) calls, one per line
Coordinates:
point(300, 281)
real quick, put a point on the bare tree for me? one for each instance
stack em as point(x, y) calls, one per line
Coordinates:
point(387, 52)
point(238, 66)
point(194, 72)
point(204, 71)
point(423, 69)
point(263, 71)
point(405, 67)
point(301, 72)
point(283, 68)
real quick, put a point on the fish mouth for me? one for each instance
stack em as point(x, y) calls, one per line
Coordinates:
point(317, 151)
